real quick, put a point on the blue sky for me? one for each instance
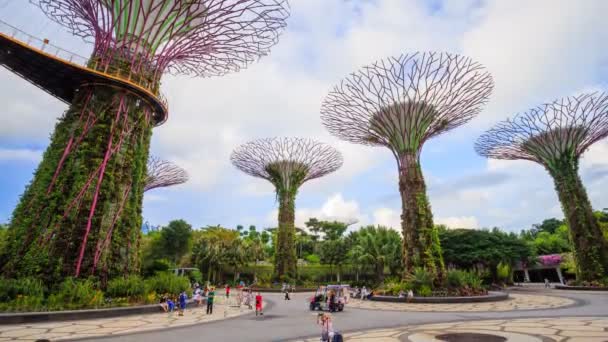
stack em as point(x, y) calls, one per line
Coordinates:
point(536, 51)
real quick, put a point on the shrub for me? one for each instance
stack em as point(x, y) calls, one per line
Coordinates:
point(393, 288)
point(132, 287)
point(75, 294)
point(168, 283)
point(419, 278)
point(456, 279)
point(425, 291)
point(313, 259)
point(10, 289)
point(196, 276)
point(503, 272)
point(472, 280)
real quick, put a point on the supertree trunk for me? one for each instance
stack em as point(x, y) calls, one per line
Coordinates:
point(420, 237)
point(590, 247)
point(81, 214)
point(285, 259)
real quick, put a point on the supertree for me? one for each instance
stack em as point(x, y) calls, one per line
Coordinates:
point(555, 135)
point(162, 173)
point(287, 163)
point(81, 213)
point(400, 103)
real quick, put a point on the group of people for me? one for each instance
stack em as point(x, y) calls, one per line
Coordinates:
point(167, 303)
point(362, 293)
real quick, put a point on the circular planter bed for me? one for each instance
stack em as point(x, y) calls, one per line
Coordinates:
point(581, 288)
point(490, 297)
point(68, 315)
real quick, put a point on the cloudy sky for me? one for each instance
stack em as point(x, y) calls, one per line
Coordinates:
point(536, 50)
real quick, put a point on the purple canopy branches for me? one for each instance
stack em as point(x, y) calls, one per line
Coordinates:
point(400, 103)
point(287, 163)
point(199, 37)
point(84, 204)
point(162, 173)
point(555, 135)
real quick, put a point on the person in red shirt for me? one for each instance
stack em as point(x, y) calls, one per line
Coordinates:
point(258, 305)
point(227, 291)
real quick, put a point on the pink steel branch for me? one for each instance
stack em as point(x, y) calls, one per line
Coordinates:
point(162, 173)
point(215, 37)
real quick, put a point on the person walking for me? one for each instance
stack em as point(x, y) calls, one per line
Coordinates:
point(210, 298)
point(547, 283)
point(327, 329)
point(286, 291)
point(227, 291)
point(183, 297)
point(258, 305)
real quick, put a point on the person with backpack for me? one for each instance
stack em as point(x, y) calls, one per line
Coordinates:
point(327, 330)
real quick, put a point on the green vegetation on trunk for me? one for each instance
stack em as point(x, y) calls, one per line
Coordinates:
point(590, 247)
point(81, 213)
point(421, 246)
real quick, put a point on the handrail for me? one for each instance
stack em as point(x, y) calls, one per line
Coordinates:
point(45, 46)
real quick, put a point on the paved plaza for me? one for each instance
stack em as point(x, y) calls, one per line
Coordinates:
point(530, 315)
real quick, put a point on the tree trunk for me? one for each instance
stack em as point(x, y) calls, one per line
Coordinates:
point(285, 259)
point(421, 247)
point(590, 246)
point(81, 214)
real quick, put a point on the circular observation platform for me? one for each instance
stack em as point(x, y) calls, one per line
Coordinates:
point(61, 73)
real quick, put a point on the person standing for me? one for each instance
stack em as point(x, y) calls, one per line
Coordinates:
point(547, 283)
point(327, 329)
point(227, 291)
point(363, 293)
point(183, 297)
point(258, 305)
point(210, 297)
point(286, 291)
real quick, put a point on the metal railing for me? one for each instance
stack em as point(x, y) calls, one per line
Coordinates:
point(45, 46)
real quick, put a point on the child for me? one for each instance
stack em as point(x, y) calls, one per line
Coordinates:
point(163, 303)
point(258, 305)
point(182, 302)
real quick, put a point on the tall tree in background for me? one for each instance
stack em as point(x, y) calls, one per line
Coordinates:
point(175, 239)
point(287, 163)
point(555, 135)
point(400, 103)
point(378, 247)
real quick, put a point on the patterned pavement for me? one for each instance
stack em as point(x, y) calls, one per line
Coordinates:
point(119, 325)
point(570, 329)
point(515, 302)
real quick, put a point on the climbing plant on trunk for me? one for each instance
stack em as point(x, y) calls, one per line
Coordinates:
point(400, 103)
point(287, 163)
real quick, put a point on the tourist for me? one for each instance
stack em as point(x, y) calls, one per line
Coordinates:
point(249, 299)
point(363, 293)
point(332, 301)
point(163, 303)
point(170, 305)
point(286, 291)
point(401, 294)
point(327, 329)
point(227, 291)
point(258, 305)
point(410, 295)
point(198, 297)
point(183, 297)
point(210, 297)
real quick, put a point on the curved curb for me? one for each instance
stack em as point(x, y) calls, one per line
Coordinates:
point(490, 297)
point(581, 288)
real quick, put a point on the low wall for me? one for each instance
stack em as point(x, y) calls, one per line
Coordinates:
point(274, 290)
point(69, 315)
point(490, 297)
point(581, 288)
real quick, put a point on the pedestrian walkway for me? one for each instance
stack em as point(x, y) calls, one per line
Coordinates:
point(515, 302)
point(570, 329)
point(119, 325)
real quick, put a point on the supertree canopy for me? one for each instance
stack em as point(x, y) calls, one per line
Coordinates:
point(400, 103)
point(82, 211)
point(555, 135)
point(287, 163)
point(162, 173)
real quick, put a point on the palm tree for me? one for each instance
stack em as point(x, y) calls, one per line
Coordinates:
point(378, 247)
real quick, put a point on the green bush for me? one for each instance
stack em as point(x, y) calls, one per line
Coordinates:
point(503, 272)
point(132, 287)
point(393, 288)
point(456, 279)
point(166, 282)
point(420, 278)
point(75, 294)
point(196, 276)
point(313, 259)
point(425, 291)
point(10, 289)
point(472, 280)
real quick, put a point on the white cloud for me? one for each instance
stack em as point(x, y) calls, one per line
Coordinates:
point(458, 222)
point(387, 217)
point(27, 155)
point(334, 208)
